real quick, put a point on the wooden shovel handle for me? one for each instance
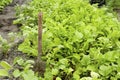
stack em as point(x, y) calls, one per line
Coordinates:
point(40, 15)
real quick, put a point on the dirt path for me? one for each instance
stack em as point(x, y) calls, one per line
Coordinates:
point(6, 26)
point(6, 18)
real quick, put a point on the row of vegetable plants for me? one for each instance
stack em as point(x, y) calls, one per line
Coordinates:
point(79, 40)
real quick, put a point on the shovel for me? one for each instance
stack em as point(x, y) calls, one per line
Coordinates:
point(39, 65)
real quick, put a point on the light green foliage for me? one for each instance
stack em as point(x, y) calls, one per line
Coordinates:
point(3, 3)
point(4, 46)
point(23, 71)
point(80, 41)
point(5, 68)
point(26, 73)
point(30, 46)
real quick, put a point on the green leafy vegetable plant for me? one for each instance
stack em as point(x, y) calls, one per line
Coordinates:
point(24, 70)
point(80, 41)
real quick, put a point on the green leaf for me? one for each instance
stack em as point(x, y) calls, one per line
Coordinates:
point(16, 73)
point(62, 67)
point(28, 62)
point(29, 75)
point(94, 75)
point(77, 36)
point(63, 61)
point(58, 78)
point(118, 74)
point(5, 65)
point(76, 75)
point(77, 56)
point(85, 60)
point(3, 72)
point(27, 67)
point(92, 67)
point(105, 70)
point(55, 71)
point(87, 78)
point(69, 70)
point(48, 74)
point(20, 61)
